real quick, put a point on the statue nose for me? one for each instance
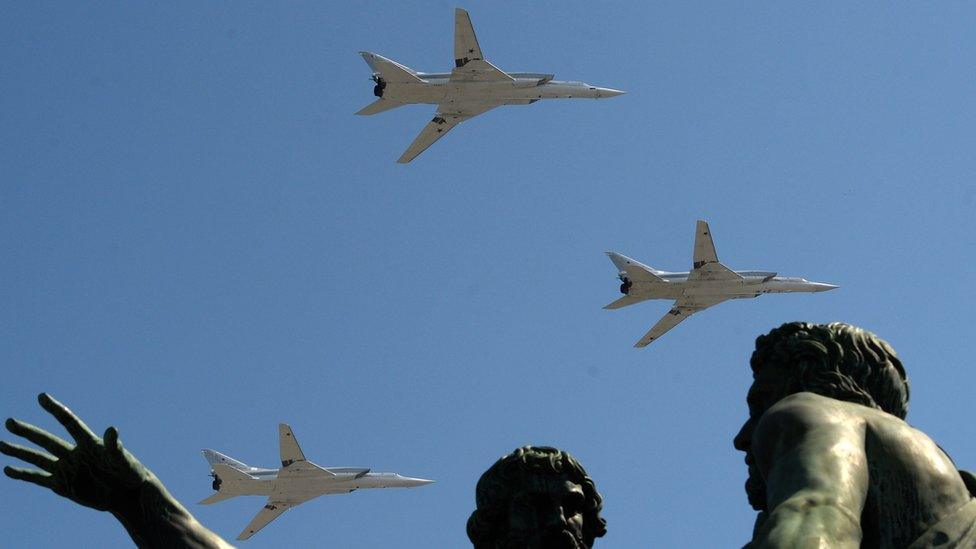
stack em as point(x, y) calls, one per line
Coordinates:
point(550, 516)
point(743, 440)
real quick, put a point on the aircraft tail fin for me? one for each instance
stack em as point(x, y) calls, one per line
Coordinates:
point(389, 70)
point(378, 106)
point(214, 457)
point(635, 270)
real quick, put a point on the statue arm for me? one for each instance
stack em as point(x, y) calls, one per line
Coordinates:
point(157, 519)
point(815, 468)
point(101, 474)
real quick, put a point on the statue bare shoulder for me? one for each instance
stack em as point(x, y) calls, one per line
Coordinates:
point(814, 451)
point(830, 456)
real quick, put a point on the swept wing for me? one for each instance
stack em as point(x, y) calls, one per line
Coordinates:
point(282, 500)
point(288, 447)
point(378, 106)
point(682, 309)
point(270, 511)
point(704, 247)
point(706, 266)
point(292, 458)
point(469, 63)
point(480, 70)
point(713, 272)
point(294, 468)
point(466, 46)
point(277, 504)
point(447, 117)
point(625, 301)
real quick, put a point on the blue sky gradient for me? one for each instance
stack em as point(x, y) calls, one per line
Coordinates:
point(200, 240)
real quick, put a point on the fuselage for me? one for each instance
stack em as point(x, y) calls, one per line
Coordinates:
point(346, 479)
point(752, 284)
point(438, 89)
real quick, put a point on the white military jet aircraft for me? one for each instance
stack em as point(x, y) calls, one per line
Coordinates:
point(474, 86)
point(296, 482)
point(708, 283)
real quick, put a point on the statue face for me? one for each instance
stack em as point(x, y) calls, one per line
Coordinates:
point(546, 513)
point(766, 390)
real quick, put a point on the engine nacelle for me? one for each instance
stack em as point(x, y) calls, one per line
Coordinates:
point(759, 277)
point(531, 80)
point(625, 287)
point(379, 87)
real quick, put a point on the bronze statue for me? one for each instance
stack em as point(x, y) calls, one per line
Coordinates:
point(537, 497)
point(832, 462)
point(101, 474)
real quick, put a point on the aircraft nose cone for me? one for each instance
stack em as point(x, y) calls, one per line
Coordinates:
point(820, 287)
point(608, 92)
point(418, 481)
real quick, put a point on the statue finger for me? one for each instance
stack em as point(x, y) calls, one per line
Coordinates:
point(111, 440)
point(39, 459)
point(53, 444)
point(75, 427)
point(26, 475)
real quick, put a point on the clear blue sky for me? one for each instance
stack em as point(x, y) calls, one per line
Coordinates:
point(200, 240)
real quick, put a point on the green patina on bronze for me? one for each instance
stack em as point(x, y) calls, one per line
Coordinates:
point(832, 462)
point(101, 474)
point(536, 497)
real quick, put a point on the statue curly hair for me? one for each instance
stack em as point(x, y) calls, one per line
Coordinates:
point(835, 360)
point(507, 491)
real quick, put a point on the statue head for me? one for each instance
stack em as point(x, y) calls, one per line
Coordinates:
point(536, 497)
point(834, 360)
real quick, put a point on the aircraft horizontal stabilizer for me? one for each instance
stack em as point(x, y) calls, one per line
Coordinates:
point(214, 457)
point(229, 474)
point(636, 271)
point(390, 70)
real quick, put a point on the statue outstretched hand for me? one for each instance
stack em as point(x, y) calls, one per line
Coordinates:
point(94, 472)
point(101, 474)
